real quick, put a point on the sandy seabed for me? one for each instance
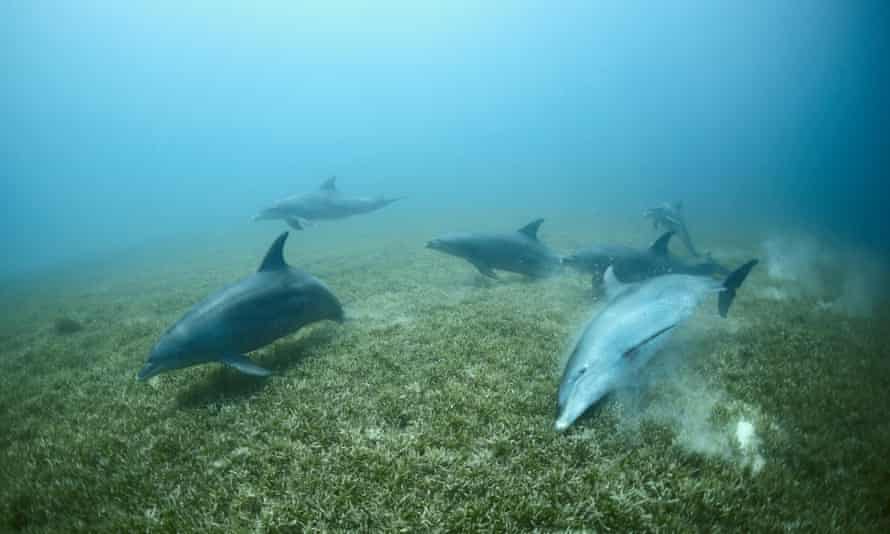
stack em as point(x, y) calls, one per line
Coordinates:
point(433, 407)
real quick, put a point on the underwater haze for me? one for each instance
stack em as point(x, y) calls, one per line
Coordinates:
point(146, 149)
point(125, 122)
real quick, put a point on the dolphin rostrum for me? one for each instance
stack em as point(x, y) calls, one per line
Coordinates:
point(275, 301)
point(634, 265)
point(630, 330)
point(519, 252)
point(327, 202)
point(670, 217)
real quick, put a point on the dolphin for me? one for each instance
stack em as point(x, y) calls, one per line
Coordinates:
point(634, 325)
point(273, 302)
point(670, 217)
point(327, 202)
point(519, 252)
point(635, 265)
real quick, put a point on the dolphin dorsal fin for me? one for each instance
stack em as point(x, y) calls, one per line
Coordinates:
point(274, 259)
point(660, 247)
point(531, 229)
point(329, 185)
point(612, 284)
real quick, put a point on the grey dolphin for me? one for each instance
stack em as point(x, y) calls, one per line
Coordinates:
point(519, 252)
point(273, 302)
point(670, 217)
point(630, 330)
point(635, 265)
point(327, 202)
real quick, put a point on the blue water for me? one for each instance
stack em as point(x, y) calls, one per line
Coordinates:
point(127, 122)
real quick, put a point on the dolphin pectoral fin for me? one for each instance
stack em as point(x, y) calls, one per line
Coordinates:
point(243, 364)
point(388, 201)
point(633, 351)
point(731, 284)
point(297, 223)
point(488, 272)
point(484, 269)
point(612, 284)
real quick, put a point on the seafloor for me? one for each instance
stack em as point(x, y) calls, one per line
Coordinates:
point(433, 408)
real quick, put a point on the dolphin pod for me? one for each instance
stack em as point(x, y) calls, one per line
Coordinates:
point(650, 293)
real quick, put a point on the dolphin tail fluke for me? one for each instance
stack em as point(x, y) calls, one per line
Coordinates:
point(731, 284)
point(243, 364)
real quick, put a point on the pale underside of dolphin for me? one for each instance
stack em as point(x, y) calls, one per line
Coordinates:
point(633, 327)
point(325, 203)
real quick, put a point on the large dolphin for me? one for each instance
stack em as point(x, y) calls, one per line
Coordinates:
point(273, 302)
point(635, 265)
point(630, 330)
point(327, 202)
point(670, 217)
point(519, 252)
